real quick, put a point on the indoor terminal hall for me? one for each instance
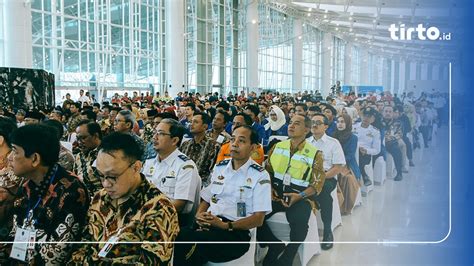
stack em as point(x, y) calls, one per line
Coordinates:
point(225, 132)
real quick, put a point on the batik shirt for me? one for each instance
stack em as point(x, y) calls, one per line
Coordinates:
point(84, 169)
point(66, 159)
point(59, 206)
point(147, 215)
point(9, 185)
point(203, 154)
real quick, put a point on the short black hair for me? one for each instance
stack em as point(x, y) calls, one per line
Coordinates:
point(176, 129)
point(253, 108)
point(122, 142)
point(304, 106)
point(247, 118)
point(57, 126)
point(96, 105)
point(325, 119)
point(225, 114)
point(331, 108)
point(206, 119)
point(92, 127)
point(7, 126)
point(38, 138)
point(77, 104)
point(224, 105)
point(315, 108)
point(192, 105)
point(254, 139)
point(89, 114)
point(165, 115)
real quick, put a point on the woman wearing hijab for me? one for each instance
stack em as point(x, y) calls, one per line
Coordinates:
point(347, 179)
point(276, 125)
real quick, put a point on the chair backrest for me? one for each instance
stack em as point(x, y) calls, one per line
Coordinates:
point(277, 137)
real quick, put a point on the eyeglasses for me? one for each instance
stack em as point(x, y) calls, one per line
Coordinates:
point(118, 121)
point(161, 133)
point(317, 123)
point(113, 179)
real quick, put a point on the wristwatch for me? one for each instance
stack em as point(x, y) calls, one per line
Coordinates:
point(230, 227)
point(302, 194)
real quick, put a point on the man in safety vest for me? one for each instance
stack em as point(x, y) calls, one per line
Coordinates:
point(296, 169)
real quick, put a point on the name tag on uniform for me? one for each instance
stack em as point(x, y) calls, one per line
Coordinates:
point(108, 246)
point(286, 180)
point(19, 250)
point(241, 209)
point(220, 139)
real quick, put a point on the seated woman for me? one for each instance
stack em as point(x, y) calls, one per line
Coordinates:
point(276, 125)
point(347, 179)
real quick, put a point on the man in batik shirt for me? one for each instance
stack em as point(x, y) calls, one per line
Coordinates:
point(127, 209)
point(52, 203)
point(89, 136)
point(201, 148)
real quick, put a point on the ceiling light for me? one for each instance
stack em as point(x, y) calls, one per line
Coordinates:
point(325, 16)
point(309, 14)
point(310, 9)
point(254, 21)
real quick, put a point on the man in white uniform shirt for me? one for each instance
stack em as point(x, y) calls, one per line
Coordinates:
point(369, 141)
point(235, 201)
point(172, 172)
point(334, 161)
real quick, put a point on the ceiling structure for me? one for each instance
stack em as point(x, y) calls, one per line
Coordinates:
point(365, 23)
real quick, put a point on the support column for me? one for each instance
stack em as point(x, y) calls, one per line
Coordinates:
point(364, 68)
point(18, 50)
point(402, 78)
point(326, 71)
point(252, 45)
point(396, 76)
point(348, 65)
point(297, 56)
point(424, 71)
point(175, 46)
point(392, 75)
point(436, 72)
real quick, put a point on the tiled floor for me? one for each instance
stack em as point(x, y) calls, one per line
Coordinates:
point(415, 209)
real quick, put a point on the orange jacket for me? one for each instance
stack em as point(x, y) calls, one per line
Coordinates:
point(224, 153)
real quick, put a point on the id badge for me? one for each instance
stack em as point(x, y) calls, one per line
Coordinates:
point(286, 180)
point(241, 209)
point(20, 250)
point(108, 246)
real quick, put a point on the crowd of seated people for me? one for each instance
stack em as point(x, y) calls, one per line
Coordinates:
point(193, 169)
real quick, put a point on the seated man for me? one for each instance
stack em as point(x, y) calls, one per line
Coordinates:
point(393, 137)
point(235, 202)
point(333, 163)
point(297, 174)
point(171, 171)
point(224, 153)
point(127, 209)
point(53, 203)
point(369, 141)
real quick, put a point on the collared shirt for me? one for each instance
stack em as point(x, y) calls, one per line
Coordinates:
point(317, 174)
point(85, 169)
point(176, 176)
point(368, 138)
point(332, 150)
point(73, 122)
point(250, 184)
point(58, 217)
point(203, 154)
point(9, 187)
point(222, 138)
point(147, 215)
point(393, 129)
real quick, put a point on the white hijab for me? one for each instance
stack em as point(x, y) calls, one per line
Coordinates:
point(281, 120)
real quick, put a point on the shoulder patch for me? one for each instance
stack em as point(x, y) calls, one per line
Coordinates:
point(265, 181)
point(183, 157)
point(223, 162)
point(188, 166)
point(257, 167)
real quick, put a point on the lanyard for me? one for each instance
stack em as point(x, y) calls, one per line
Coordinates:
point(29, 212)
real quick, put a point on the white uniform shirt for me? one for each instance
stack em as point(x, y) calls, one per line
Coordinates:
point(176, 176)
point(368, 138)
point(224, 191)
point(332, 150)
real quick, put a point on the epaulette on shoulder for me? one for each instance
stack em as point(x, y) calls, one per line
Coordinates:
point(183, 157)
point(257, 167)
point(223, 162)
